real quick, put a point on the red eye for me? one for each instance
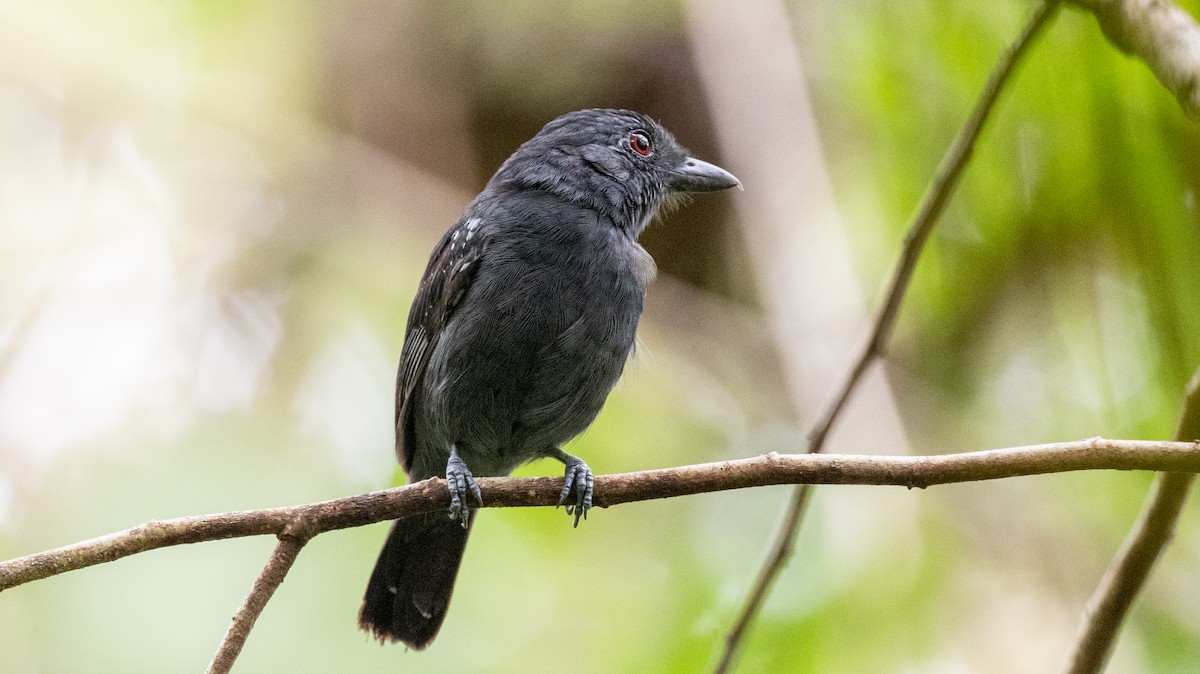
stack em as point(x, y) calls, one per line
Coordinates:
point(639, 143)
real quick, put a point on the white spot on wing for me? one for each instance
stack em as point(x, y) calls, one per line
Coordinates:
point(472, 225)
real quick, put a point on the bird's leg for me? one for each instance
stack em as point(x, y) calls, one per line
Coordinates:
point(579, 479)
point(461, 484)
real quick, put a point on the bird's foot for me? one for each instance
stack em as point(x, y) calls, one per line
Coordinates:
point(579, 479)
point(462, 487)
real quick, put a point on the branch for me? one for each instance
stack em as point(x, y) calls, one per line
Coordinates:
point(1142, 547)
point(499, 492)
point(268, 581)
point(1160, 34)
point(934, 201)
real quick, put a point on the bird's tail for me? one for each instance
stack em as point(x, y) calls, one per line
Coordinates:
point(410, 589)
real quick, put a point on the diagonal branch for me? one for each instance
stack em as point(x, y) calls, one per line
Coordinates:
point(1142, 547)
point(290, 544)
point(932, 205)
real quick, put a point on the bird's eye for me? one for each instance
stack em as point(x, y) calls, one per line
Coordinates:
point(639, 143)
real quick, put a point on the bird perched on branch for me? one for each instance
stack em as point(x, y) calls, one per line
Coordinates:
point(520, 328)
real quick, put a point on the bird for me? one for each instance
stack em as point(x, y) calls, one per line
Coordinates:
point(521, 325)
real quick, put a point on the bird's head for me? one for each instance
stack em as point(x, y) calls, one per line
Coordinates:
point(620, 163)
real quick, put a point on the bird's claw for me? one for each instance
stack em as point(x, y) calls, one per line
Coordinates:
point(579, 479)
point(462, 486)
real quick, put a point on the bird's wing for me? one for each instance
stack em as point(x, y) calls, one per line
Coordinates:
point(451, 268)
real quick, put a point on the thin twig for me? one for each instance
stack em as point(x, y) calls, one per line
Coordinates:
point(268, 581)
point(1143, 545)
point(934, 201)
point(504, 492)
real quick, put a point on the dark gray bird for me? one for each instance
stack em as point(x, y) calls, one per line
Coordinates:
point(520, 328)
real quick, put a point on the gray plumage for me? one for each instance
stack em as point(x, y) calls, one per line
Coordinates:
point(521, 326)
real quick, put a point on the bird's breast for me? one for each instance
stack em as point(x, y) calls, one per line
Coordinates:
point(537, 343)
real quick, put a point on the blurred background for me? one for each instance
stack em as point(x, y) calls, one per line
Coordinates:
point(213, 217)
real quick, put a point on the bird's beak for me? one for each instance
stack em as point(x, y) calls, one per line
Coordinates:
point(695, 175)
